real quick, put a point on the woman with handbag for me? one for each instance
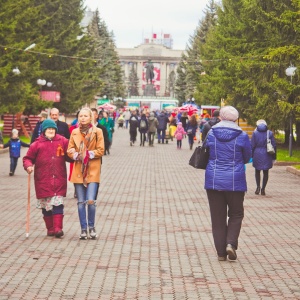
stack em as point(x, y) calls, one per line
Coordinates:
point(262, 159)
point(225, 181)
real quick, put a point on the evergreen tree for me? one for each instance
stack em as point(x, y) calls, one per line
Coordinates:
point(180, 84)
point(133, 82)
point(193, 67)
point(111, 72)
point(246, 56)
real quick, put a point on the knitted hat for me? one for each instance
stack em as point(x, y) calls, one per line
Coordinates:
point(229, 113)
point(48, 124)
point(15, 132)
point(261, 121)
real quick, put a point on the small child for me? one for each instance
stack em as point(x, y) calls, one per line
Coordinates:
point(172, 128)
point(14, 145)
point(179, 134)
point(121, 121)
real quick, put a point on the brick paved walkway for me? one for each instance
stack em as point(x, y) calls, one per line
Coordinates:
point(154, 235)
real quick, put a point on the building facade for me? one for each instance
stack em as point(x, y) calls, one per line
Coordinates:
point(164, 59)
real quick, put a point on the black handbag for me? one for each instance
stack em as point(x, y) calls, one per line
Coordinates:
point(199, 158)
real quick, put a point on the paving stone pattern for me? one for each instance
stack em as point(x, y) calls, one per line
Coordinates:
point(154, 235)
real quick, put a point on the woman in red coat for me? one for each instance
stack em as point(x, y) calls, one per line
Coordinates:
point(48, 156)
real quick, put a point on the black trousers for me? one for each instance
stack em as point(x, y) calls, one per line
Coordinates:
point(227, 213)
point(133, 134)
point(143, 138)
point(265, 178)
point(151, 136)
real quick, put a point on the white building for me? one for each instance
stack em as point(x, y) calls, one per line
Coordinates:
point(164, 59)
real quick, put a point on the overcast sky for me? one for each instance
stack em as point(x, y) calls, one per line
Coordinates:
point(133, 20)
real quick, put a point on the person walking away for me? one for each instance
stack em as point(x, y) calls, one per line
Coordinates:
point(153, 123)
point(143, 129)
point(104, 130)
point(179, 134)
point(184, 119)
point(62, 127)
point(108, 123)
point(72, 127)
point(47, 158)
point(261, 159)
point(126, 116)
point(38, 127)
point(133, 125)
point(209, 124)
point(191, 129)
point(172, 128)
point(14, 145)
point(163, 120)
point(225, 181)
point(86, 147)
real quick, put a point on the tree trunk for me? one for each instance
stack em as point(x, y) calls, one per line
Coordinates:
point(298, 133)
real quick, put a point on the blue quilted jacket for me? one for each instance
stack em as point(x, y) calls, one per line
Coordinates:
point(261, 159)
point(229, 151)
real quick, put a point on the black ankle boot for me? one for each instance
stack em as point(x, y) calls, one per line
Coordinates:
point(257, 190)
point(263, 193)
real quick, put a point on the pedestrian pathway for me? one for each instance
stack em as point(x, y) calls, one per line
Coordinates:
point(154, 235)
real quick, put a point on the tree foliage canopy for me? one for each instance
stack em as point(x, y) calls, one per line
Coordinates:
point(79, 62)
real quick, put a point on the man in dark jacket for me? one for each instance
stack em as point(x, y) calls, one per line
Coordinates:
point(133, 126)
point(62, 127)
point(208, 125)
point(38, 127)
point(163, 120)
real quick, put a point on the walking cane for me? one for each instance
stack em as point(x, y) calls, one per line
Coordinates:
point(28, 207)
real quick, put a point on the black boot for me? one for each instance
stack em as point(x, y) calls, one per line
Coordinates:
point(257, 190)
point(263, 193)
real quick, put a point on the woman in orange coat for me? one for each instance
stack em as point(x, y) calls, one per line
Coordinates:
point(86, 147)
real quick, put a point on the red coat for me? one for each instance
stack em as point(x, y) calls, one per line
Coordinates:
point(49, 160)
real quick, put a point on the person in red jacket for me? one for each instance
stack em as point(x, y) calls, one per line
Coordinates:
point(47, 158)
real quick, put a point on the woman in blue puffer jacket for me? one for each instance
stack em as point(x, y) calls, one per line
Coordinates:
point(262, 160)
point(225, 181)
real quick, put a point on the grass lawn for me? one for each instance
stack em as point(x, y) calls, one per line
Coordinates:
point(283, 154)
point(22, 138)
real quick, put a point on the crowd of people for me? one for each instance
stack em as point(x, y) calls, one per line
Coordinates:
point(90, 136)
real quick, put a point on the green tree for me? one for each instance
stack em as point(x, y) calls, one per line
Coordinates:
point(246, 67)
point(193, 68)
point(180, 84)
point(110, 70)
point(133, 82)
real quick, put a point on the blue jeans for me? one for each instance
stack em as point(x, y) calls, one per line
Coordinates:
point(161, 133)
point(126, 123)
point(13, 163)
point(87, 196)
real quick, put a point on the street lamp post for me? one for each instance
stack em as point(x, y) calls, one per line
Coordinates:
point(290, 71)
point(41, 83)
point(16, 71)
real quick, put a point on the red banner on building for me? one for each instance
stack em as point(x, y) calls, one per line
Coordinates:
point(50, 96)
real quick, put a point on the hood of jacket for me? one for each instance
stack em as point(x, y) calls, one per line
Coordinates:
point(226, 131)
point(262, 128)
point(151, 118)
